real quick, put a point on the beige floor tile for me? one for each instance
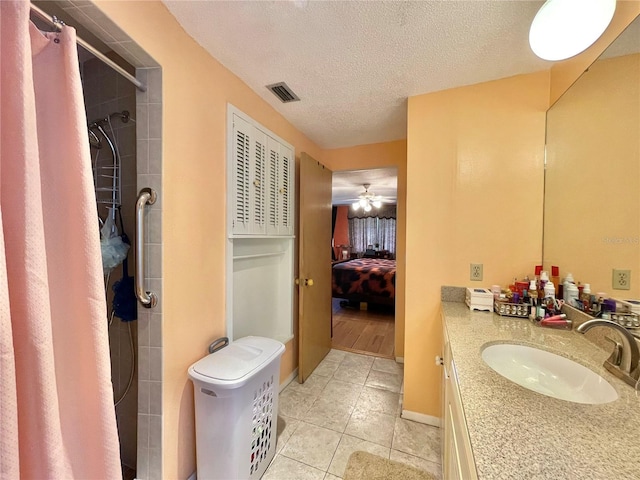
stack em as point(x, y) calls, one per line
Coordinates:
point(312, 386)
point(373, 426)
point(384, 380)
point(434, 468)
point(284, 468)
point(286, 427)
point(329, 476)
point(387, 365)
point(329, 414)
point(312, 445)
point(356, 360)
point(295, 404)
point(341, 392)
point(347, 446)
point(326, 368)
point(335, 355)
point(417, 439)
point(377, 400)
point(352, 373)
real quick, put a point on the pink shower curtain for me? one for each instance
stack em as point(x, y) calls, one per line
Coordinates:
point(56, 401)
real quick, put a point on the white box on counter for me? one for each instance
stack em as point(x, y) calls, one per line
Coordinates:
point(479, 299)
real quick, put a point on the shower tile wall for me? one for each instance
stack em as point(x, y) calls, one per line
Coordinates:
point(107, 92)
point(149, 115)
point(146, 109)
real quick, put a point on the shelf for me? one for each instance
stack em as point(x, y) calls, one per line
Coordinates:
point(258, 255)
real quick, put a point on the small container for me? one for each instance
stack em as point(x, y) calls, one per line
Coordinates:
point(555, 278)
point(479, 299)
point(549, 290)
point(572, 295)
point(568, 280)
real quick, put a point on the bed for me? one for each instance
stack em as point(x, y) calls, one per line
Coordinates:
point(371, 280)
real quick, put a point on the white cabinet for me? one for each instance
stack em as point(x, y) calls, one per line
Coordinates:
point(261, 182)
point(457, 462)
point(280, 168)
point(260, 231)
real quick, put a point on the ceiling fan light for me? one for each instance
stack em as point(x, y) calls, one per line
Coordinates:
point(356, 205)
point(367, 208)
point(563, 28)
point(377, 203)
point(363, 202)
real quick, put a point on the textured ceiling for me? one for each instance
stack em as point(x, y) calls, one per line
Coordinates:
point(354, 63)
point(347, 185)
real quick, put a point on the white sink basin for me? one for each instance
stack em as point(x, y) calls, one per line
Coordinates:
point(548, 373)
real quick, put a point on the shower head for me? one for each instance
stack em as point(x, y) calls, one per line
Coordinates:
point(94, 141)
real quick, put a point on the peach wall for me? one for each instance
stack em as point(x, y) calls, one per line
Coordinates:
point(592, 190)
point(376, 155)
point(474, 193)
point(565, 73)
point(196, 89)
point(341, 233)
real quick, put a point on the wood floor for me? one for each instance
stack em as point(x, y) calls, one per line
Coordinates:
point(363, 331)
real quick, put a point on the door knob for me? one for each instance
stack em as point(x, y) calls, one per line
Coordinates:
point(309, 282)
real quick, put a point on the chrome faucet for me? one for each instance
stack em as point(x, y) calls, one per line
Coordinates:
point(624, 366)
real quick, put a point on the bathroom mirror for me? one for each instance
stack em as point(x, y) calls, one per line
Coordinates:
point(592, 173)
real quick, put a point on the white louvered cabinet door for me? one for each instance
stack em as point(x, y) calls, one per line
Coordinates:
point(279, 191)
point(242, 136)
point(285, 198)
point(273, 162)
point(258, 182)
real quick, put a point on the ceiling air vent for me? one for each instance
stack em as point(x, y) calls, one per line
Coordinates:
point(283, 92)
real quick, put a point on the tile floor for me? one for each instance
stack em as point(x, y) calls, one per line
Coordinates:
point(351, 402)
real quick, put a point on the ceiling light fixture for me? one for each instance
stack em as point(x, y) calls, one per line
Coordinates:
point(563, 28)
point(367, 199)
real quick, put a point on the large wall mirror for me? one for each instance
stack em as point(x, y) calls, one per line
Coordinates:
point(592, 176)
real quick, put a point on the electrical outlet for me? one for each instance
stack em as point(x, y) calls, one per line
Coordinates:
point(621, 279)
point(476, 272)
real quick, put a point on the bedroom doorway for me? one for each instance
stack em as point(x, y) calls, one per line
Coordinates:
point(363, 260)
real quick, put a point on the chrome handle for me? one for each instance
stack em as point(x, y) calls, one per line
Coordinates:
point(147, 196)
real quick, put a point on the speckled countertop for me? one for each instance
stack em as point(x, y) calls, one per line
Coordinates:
point(519, 434)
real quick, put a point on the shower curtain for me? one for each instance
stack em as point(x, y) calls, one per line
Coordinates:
point(56, 400)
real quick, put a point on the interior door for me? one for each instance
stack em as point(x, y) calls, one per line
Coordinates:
point(315, 265)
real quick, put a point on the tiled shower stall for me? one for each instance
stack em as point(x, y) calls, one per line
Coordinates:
point(139, 417)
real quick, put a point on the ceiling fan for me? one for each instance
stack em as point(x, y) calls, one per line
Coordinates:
point(367, 199)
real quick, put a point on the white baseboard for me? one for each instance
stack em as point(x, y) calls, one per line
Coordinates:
point(193, 476)
point(286, 382)
point(421, 418)
point(400, 359)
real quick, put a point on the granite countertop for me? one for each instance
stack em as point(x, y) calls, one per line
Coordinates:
point(520, 434)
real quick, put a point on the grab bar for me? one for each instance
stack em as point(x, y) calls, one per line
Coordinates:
point(147, 196)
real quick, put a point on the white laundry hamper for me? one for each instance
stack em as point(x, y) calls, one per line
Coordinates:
point(236, 401)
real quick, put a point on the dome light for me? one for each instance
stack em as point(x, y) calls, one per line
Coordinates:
point(563, 28)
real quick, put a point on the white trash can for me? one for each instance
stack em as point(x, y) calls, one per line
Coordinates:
point(236, 401)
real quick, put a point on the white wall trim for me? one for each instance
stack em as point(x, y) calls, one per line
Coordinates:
point(421, 418)
point(193, 476)
point(287, 381)
point(400, 359)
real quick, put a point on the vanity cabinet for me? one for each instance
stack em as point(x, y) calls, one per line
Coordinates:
point(261, 181)
point(457, 461)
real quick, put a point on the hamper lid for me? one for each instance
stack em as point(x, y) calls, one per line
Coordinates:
point(238, 361)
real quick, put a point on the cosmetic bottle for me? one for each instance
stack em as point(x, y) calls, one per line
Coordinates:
point(555, 278)
point(549, 290)
point(572, 295)
point(568, 280)
point(586, 292)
